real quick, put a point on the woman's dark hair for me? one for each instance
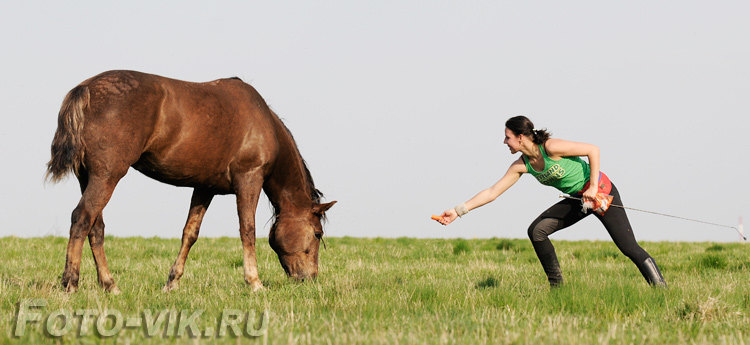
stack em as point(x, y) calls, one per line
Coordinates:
point(522, 125)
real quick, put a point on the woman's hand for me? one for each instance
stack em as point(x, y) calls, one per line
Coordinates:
point(448, 217)
point(590, 194)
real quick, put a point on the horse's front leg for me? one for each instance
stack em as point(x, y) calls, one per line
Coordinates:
point(247, 187)
point(198, 206)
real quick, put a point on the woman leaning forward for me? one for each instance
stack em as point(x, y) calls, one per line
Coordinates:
point(557, 163)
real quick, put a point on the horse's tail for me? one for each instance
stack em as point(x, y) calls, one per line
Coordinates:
point(68, 145)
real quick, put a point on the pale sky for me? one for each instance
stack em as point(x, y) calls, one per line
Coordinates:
point(399, 107)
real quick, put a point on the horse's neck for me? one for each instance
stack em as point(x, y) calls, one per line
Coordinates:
point(287, 186)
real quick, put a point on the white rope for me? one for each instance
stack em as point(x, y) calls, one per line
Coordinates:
point(667, 215)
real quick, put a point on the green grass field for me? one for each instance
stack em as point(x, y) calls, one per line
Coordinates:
point(388, 291)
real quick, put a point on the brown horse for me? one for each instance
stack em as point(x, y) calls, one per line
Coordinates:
point(218, 137)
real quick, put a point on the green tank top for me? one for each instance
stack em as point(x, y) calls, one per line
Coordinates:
point(568, 174)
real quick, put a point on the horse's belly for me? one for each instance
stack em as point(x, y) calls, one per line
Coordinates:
point(183, 174)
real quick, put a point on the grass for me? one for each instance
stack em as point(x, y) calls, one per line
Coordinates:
point(385, 291)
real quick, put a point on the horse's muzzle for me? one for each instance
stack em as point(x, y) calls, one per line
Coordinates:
point(301, 276)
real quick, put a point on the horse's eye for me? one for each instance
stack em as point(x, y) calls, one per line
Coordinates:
point(318, 235)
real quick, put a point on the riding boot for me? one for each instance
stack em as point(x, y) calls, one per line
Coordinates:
point(651, 272)
point(546, 254)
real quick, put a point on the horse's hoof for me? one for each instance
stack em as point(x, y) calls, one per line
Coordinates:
point(114, 290)
point(257, 286)
point(170, 286)
point(71, 289)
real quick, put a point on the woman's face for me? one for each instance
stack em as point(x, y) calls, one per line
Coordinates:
point(513, 141)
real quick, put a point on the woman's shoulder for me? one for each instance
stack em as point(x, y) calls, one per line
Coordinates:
point(519, 165)
point(551, 147)
point(553, 143)
point(557, 148)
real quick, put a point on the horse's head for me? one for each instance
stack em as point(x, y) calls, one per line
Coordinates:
point(296, 238)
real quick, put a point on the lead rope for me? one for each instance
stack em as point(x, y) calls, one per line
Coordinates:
point(736, 228)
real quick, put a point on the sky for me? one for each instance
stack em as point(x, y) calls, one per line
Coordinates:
point(399, 107)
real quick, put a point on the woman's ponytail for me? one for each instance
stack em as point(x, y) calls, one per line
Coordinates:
point(539, 136)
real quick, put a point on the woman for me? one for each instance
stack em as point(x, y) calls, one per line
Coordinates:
point(556, 162)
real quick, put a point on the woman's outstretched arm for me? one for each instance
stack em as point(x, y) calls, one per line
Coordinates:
point(488, 195)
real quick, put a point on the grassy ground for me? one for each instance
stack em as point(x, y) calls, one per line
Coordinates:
point(388, 291)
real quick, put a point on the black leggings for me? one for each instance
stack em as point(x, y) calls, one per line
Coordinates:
point(568, 212)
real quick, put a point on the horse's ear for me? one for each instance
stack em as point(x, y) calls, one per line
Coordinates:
point(321, 209)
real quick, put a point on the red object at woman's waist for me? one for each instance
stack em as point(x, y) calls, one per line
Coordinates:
point(605, 185)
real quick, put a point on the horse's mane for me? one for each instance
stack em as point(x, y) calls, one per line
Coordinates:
point(315, 194)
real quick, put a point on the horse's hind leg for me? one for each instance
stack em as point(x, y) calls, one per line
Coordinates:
point(198, 206)
point(96, 239)
point(95, 196)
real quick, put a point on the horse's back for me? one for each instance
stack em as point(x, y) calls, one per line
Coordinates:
point(179, 132)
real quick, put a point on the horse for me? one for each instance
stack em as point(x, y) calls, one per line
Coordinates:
point(217, 137)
